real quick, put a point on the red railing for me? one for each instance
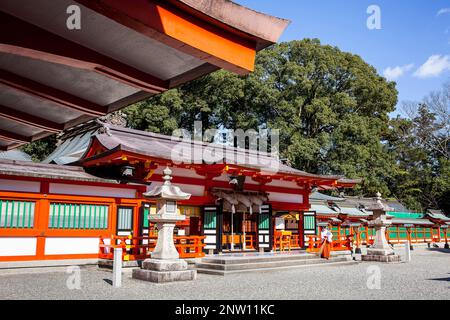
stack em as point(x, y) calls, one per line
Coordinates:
point(139, 248)
point(314, 243)
point(285, 240)
point(238, 239)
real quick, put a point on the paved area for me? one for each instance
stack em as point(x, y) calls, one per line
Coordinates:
point(427, 276)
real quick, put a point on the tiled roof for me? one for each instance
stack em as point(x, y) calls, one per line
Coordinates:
point(15, 155)
point(424, 222)
point(317, 196)
point(53, 171)
point(168, 147)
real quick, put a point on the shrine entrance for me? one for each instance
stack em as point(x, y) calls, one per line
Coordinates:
point(239, 231)
point(240, 219)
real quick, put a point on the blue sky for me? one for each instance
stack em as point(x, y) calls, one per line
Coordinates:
point(412, 47)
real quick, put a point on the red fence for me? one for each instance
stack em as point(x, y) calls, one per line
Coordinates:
point(139, 248)
point(314, 243)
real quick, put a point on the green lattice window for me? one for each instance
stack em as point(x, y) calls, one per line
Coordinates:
point(263, 222)
point(309, 222)
point(145, 222)
point(125, 219)
point(419, 232)
point(16, 214)
point(78, 216)
point(209, 220)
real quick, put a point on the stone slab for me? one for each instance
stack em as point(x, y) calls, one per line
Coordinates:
point(380, 258)
point(164, 276)
point(164, 265)
point(379, 252)
point(107, 263)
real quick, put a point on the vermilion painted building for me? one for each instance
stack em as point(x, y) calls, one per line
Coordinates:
point(51, 212)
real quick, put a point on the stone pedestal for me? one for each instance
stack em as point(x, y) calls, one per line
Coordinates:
point(381, 251)
point(380, 258)
point(160, 271)
point(165, 247)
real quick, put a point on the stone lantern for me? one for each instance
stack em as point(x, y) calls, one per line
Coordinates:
point(381, 250)
point(165, 265)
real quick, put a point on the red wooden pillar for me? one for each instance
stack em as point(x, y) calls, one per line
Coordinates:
point(301, 230)
point(408, 231)
point(367, 235)
point(446, 246)
point(42, 218)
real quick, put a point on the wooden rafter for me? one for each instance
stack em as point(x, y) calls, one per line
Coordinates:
point(14, 137)
point(30, 120)
point(25, 39)
point(53, 95)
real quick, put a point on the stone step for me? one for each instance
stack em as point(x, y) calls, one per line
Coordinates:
point(265, 264)
point(330, 262)
point(253, 259)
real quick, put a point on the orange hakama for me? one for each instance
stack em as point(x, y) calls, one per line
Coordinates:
point(325, 249)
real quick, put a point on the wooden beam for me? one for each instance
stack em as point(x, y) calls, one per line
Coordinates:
point(25, 39)
point(51, 94)
point(14, 137)
point(30, 120)
point(181, 30)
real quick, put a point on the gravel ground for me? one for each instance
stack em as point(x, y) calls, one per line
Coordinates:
point(427, 276)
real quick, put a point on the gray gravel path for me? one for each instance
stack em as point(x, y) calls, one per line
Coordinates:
point(426, 277)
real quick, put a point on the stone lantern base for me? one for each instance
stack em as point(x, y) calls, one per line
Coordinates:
point(380, 255)
point(159, 271)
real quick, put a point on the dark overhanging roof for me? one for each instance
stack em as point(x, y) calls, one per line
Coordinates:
point(53, 78)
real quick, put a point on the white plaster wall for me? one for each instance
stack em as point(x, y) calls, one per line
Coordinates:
point(181, 172)
point(62, 188)
point(284, 184)
point(18, 246)
point(71, 245)
point(285, 197)
point(19, 185)
point(211, 239)
point(189, 188)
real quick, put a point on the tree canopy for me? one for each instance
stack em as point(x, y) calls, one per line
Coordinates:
point(330, 106)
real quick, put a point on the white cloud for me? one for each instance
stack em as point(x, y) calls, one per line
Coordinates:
point(434, 66)
point(396, 72)
point(443, 11)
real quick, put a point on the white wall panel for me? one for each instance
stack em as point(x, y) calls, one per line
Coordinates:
point(84, 190)
point(17, 246)
point(210, 239)
point(285, 197)
point(71, 245)
point(284, 184)
point(19, 185)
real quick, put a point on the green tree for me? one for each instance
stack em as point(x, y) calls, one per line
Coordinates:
point(39, 150)
point(330, 106)
point(420, 145)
